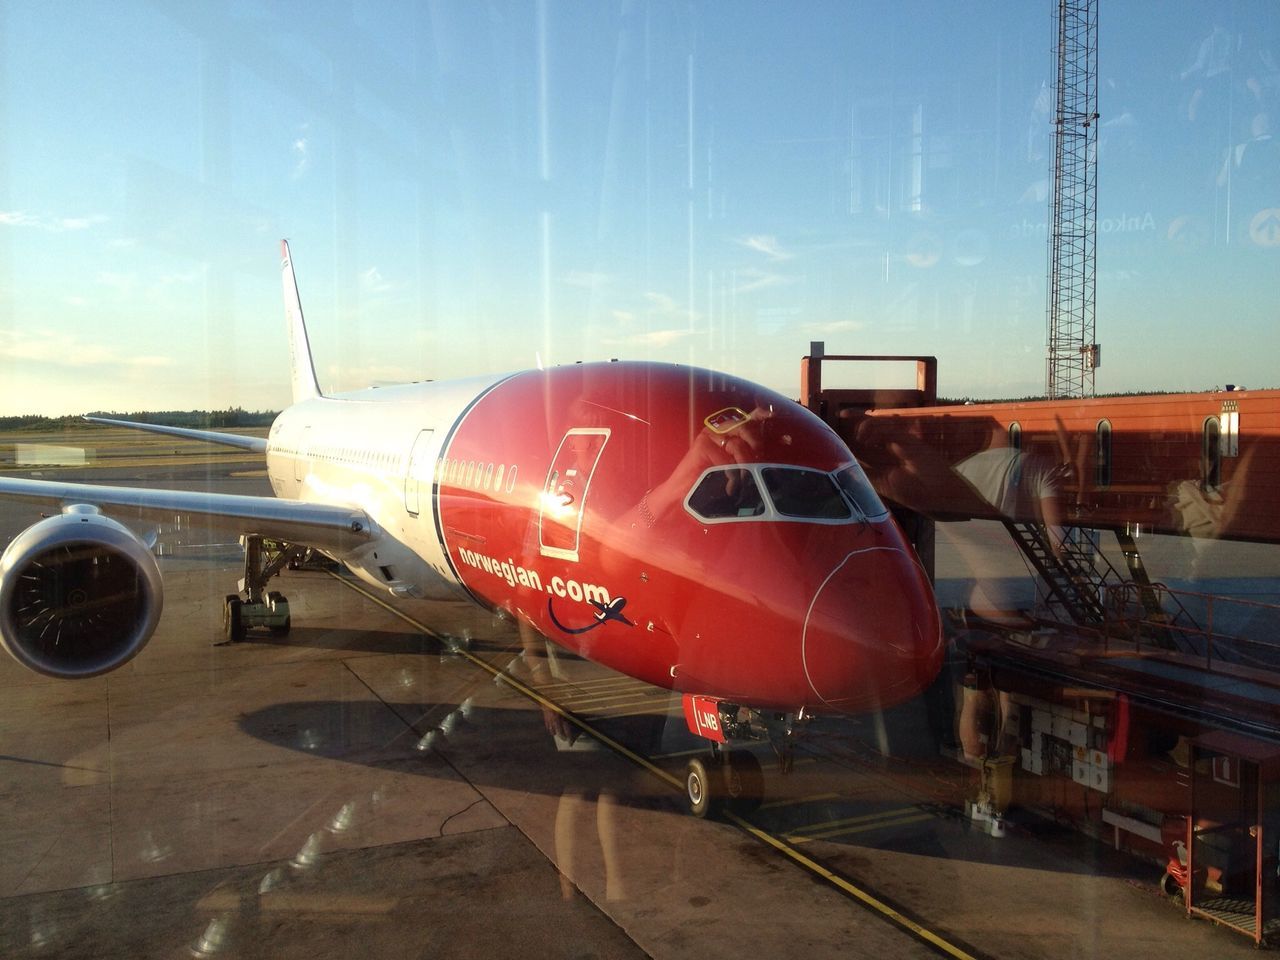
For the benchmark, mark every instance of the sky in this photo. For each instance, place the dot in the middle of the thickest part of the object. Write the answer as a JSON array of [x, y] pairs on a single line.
[[474, 187]]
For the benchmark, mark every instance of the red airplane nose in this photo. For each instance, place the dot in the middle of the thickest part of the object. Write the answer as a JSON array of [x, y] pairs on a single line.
[[871, 638]]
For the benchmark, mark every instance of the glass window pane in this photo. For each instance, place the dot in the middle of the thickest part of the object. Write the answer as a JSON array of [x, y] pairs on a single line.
[[727, 493], [858, 488], [805, 493]]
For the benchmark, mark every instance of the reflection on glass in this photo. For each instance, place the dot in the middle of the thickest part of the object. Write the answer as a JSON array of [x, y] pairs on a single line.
[[626, 180], [853, 482], [807, 494], [726, 493]]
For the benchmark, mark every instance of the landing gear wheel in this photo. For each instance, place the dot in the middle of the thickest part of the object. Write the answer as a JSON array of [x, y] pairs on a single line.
[[232, 623], [743, 781], [275, 598], [698, 788]]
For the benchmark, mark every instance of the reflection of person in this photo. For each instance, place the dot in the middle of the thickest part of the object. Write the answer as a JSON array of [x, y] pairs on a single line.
[[1039, 125], [1208, 71], [581, 783], [1251, 158], [1015, 483], [728, 442], [1234, 81]]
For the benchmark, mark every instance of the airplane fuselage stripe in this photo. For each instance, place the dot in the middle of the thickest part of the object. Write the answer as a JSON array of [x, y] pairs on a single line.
[[435, 486]]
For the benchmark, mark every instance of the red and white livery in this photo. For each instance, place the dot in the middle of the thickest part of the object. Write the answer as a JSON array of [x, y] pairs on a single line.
[[685, 527]]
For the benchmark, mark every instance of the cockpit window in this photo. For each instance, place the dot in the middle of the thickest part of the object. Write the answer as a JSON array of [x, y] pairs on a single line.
[[804, 493], [858, 488], [727, 493]]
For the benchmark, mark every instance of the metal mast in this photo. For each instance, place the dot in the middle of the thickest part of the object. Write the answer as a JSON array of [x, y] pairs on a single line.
[[1073, 350]]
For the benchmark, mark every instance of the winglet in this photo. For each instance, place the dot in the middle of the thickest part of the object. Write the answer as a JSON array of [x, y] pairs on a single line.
[[304, 372]]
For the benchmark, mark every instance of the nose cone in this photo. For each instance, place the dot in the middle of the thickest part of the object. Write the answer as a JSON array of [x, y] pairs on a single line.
[[872, 637]]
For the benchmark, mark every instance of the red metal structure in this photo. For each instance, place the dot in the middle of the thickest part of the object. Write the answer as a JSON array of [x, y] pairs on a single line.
[[1135, 710]]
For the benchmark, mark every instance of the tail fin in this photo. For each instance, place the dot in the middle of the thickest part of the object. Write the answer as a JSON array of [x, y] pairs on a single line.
[[304, 372]]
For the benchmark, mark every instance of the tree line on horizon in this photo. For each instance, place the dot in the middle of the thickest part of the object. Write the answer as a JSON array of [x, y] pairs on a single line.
[[194, 419], [234, 417]]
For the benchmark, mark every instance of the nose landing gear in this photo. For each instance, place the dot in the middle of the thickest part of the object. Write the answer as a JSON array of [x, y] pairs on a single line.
[[728, 779], [731, 777]]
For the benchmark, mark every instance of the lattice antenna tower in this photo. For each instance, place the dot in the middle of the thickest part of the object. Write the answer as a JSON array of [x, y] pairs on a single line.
[[1073, 221]]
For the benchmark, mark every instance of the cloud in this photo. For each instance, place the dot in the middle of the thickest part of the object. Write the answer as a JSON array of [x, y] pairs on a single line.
[[301, 151], [661, 305], [661, 302], [64, 350], [662, 320], [835, 326], [672, 320], [19, 218], [766, 244], [371, 375], [749, 280], [76, 223], [586, 278], [182, 279], [16, 218], [651, 338], [122, 283], [372, 281]]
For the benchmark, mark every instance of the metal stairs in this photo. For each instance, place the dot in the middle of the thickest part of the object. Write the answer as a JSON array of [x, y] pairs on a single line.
[[1084, 588]]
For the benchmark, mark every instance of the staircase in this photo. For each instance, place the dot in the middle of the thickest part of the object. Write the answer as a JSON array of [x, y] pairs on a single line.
[[1078, 580]]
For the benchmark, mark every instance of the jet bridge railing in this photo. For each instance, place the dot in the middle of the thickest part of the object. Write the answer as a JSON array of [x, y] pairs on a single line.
[[1220, 629]]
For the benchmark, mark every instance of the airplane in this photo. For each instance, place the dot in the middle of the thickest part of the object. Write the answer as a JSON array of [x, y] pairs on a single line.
[[762, 577]]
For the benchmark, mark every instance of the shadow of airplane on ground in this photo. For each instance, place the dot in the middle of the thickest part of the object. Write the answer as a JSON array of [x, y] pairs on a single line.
[[510, 750]]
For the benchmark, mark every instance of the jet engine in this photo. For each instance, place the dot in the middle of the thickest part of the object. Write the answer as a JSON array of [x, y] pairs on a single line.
[[80, 594]]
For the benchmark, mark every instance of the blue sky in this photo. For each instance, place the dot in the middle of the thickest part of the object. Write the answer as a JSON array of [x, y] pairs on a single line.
[[471, 187]]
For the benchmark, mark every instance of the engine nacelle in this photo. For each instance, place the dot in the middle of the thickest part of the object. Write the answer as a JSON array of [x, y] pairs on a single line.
[[80, 594]]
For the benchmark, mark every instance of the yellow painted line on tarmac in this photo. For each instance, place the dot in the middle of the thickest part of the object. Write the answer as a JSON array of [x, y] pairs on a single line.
[[797, 801], [653, 710], [862, 818], [622, 698], [598, 683], [521, 688], [650, 701], [797, 857], [852, 889], [850, 831]]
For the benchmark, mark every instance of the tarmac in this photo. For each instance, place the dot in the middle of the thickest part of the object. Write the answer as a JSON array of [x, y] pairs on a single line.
[[385, 781]]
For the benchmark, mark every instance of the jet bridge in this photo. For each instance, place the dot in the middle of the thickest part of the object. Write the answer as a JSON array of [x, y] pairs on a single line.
[[1112, 696]]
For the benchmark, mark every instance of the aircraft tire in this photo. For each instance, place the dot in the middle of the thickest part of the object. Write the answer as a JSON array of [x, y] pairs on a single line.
[[232, 622], [279, 629], [744, 781], [698, 788]]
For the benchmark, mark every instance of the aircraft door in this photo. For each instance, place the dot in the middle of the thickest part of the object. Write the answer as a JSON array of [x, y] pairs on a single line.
[[418, 471], [303, 448], [564, 495]]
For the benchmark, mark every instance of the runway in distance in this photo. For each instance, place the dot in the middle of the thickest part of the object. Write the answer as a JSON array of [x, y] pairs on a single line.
[[685, 527]]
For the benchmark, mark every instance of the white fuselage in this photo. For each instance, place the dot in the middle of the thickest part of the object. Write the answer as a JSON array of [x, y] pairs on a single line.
[[376, 450]]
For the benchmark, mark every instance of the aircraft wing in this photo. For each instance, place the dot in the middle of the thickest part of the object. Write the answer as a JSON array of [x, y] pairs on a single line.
[[331, 528], [256, 444]]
